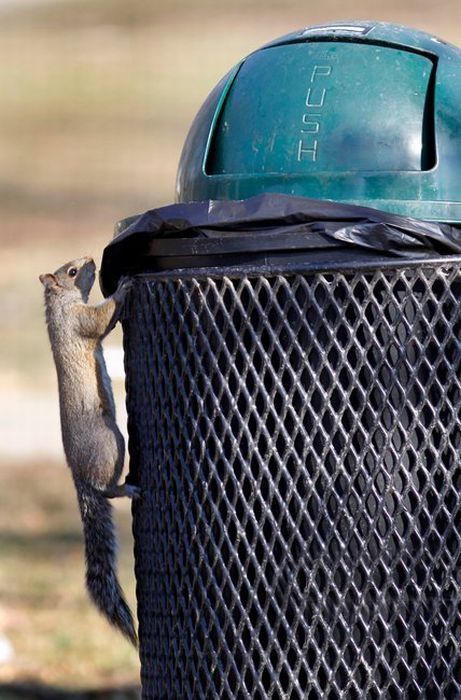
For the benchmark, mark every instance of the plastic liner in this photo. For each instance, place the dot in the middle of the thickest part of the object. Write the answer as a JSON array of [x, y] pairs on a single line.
[[238, 231]]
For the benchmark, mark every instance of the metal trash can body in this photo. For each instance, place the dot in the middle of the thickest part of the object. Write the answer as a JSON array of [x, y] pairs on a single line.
[[296, 434]]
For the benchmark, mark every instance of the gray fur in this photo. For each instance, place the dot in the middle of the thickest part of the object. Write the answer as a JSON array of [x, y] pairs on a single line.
[[93, 444]]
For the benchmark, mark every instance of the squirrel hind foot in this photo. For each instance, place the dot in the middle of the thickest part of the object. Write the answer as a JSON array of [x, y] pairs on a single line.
[[122, 490]]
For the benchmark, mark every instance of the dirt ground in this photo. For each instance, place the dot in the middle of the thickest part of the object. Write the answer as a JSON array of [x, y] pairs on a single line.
[[96, 100]]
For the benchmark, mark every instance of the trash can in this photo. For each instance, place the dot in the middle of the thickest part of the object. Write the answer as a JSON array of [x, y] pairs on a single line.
[[293, 367], [294, 401]]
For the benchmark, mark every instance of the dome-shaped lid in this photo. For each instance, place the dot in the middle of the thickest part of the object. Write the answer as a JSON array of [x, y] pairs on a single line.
[[365, 113]]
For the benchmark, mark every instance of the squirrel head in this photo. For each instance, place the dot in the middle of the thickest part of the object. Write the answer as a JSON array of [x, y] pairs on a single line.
[[75, 277]]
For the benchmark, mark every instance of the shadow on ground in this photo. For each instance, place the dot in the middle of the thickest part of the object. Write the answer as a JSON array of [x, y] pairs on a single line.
[[26, 691]]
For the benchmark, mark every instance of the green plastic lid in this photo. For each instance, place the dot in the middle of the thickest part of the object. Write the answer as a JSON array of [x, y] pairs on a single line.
[[363, 113]]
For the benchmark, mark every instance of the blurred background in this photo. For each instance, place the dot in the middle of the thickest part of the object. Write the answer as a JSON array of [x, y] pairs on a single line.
[[96, 97]]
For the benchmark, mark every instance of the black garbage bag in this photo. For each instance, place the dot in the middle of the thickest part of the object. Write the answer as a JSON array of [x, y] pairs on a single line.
[[242, 231]]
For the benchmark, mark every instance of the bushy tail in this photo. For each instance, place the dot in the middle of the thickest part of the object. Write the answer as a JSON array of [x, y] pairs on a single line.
[[101, 560]]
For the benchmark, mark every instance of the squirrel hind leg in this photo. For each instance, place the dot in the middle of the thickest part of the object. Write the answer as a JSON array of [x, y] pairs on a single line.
[[122, 490]]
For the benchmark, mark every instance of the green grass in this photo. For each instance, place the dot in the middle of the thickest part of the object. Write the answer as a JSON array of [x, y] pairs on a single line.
[[59, 638]]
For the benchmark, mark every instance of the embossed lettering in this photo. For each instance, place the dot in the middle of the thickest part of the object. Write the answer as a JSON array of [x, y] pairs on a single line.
[[316, 95], [310, 126], [317, 99], [320, 70], [305, 151]]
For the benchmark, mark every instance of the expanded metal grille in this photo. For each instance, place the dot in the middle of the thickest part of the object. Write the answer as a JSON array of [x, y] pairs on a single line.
[[297, 439]]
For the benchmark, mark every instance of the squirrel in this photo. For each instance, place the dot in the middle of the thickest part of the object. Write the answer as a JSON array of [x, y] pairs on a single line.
[[93, 445]]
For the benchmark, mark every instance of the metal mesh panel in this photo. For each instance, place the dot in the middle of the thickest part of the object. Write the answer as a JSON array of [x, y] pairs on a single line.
[[297, 441]]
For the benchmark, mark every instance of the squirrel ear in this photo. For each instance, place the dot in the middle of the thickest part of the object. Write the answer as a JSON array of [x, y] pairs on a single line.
[[48, 280]]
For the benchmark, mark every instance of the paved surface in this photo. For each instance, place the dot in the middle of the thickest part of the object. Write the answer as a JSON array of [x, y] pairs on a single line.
[[29, 420], [29, 425]]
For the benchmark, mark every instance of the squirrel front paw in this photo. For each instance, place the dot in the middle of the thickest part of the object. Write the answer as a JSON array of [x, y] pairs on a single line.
[[120, 295], [124, 286]]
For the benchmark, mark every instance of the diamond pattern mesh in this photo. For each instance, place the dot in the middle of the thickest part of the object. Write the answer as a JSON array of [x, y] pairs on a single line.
[[297, 441]]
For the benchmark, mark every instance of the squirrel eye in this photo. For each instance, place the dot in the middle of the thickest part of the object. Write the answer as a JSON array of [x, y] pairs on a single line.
[[72, 271]]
